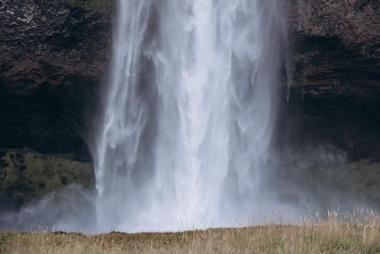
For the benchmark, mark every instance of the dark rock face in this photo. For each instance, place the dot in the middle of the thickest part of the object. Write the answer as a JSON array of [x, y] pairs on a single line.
[[337, 47], [335, 94], [53, 56]]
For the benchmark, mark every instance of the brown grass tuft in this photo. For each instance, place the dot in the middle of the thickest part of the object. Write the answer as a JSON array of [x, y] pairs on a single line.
[[333, 235]]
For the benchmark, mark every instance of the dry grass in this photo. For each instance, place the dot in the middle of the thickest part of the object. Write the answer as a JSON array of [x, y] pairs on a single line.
[[329, 236]]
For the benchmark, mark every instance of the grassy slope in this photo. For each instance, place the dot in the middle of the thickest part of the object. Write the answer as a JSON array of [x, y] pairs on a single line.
[[26, 175], [327, 237]]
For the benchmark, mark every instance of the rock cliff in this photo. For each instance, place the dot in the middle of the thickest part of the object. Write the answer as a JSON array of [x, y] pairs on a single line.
[[335, 90], [54, 56]]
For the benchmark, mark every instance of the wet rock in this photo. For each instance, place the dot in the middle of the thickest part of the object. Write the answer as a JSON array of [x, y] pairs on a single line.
[[53, 58], [54, 55], [335, 90]]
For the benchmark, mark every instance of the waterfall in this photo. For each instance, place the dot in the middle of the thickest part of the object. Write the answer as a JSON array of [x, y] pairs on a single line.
[[189, 114]]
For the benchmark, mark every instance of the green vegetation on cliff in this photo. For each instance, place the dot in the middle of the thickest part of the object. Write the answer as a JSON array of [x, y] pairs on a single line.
[[26, 175]]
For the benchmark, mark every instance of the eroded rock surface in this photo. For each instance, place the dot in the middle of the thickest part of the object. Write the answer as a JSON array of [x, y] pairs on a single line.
[[335, 93], [337, 47], [53, 55]]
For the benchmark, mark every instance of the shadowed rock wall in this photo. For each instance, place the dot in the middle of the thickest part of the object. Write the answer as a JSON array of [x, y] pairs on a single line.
[[54, 55], [335, 93]]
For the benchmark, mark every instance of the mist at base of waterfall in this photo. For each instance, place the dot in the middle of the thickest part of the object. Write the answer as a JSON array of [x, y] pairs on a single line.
[[73, 209], [302, 186]]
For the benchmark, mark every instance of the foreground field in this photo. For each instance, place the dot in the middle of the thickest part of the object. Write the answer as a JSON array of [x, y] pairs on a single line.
[[325, 237]]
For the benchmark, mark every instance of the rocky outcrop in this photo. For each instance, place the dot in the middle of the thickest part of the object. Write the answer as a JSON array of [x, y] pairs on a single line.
[[53, 55], [335, 90], [337, 47]]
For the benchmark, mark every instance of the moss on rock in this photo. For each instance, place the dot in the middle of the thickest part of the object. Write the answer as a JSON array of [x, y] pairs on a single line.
[[26, 175]]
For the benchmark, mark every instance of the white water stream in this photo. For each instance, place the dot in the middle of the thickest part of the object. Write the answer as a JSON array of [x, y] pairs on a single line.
[[189, 114]]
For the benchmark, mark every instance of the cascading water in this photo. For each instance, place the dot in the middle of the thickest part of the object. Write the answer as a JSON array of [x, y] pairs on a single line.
[[189, 114]]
